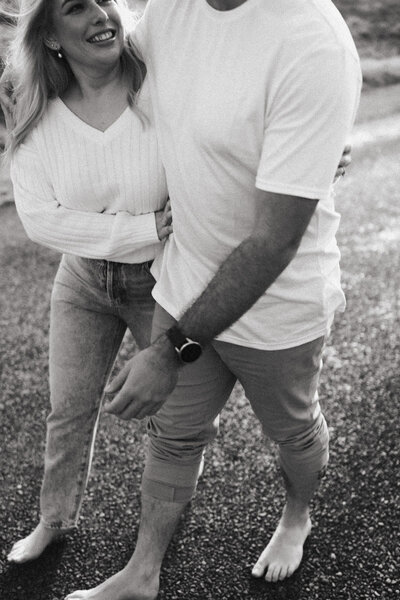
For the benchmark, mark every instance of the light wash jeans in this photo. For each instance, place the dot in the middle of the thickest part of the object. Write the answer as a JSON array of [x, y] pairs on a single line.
[[92, 304]]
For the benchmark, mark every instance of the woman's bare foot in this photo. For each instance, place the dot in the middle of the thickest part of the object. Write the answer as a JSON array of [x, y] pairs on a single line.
[[282, 556], [33, 545], [125, 585]]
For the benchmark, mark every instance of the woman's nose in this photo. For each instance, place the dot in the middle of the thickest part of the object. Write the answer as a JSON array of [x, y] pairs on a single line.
[[98, 15]]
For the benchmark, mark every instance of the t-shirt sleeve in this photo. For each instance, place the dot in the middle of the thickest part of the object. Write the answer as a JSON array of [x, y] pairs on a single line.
[[83, 233], [309, 117], [139, 34]]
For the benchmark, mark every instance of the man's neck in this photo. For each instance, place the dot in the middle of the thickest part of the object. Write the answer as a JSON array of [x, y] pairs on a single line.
[[225, 4]]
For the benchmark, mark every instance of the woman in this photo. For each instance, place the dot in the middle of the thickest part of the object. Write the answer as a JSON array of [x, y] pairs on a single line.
[[89, 183]]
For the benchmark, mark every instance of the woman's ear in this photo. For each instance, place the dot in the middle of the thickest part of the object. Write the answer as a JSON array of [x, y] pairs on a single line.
[[52, 43]]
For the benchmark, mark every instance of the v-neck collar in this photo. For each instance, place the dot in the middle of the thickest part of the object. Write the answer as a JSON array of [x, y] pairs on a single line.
[[85, 129]]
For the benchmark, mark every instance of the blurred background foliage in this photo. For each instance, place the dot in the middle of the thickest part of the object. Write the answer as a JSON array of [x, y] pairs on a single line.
[[375, 25]]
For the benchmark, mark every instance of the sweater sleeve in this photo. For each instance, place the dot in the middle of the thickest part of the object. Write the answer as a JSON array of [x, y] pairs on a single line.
[[83, 233]]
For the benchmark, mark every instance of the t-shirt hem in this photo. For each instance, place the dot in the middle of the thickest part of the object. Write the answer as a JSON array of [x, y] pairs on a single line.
[[322, 330], [292, 190], [292, 343], [161, 301]]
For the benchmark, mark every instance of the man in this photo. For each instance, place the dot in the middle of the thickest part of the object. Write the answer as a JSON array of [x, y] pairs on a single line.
[[247, 94]]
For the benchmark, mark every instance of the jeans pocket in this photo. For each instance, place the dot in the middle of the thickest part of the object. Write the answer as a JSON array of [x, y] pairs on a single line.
[[147, 266]]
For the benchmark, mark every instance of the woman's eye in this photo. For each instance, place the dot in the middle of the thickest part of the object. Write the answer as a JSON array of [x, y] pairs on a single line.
[[80, 6], [75, 8]]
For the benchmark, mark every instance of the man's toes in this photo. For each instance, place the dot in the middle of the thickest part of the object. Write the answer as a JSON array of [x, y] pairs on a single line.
[[284, 573], [17, 545], [277, 573], [270, 574], [291, 570], [18, 559], [15, 555], [258, 570], [261, 564]]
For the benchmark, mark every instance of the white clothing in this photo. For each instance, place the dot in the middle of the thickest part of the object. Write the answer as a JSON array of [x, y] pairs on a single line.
[[261, 96], [90, 193]]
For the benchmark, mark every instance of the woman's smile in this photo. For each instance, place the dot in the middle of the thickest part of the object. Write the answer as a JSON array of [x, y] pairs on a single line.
[[90, 32], [104, 36]]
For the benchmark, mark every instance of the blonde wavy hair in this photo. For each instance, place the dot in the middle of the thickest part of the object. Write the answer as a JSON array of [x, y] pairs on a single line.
[[37, 74]]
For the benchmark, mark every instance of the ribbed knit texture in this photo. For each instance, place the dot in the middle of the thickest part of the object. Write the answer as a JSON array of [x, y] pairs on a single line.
[[90, 193]]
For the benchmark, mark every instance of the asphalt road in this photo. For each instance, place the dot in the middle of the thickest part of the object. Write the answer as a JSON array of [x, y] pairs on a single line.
[[352, 553]]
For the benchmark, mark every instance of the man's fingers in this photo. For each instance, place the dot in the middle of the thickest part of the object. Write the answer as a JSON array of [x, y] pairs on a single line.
[[139, 411], [116, 384], [118, 404], [124, 407], [167, 218], [347, 149], [345, 161]]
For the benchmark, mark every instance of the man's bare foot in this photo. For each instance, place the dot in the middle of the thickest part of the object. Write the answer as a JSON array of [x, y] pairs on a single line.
[[125, 585], [283, 554], [33, 545]]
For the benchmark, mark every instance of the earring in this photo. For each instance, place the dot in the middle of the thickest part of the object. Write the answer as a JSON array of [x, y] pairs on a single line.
[[57, 48]]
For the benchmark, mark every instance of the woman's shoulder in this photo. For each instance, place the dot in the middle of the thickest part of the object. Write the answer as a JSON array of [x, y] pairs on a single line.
[[39, 137], [144, 100], [48, 118], [52, 113]]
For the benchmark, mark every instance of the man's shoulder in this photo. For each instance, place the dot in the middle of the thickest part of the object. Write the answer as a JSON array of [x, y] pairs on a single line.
[[317, 22], [160, 15], [158, 7]]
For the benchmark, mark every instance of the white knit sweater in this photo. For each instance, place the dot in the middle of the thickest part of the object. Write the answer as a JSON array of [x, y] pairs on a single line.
[[90, 193]]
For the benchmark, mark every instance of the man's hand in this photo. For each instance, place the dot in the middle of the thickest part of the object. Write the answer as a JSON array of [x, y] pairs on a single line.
[[164, 221], [345, 162], [144, 383]]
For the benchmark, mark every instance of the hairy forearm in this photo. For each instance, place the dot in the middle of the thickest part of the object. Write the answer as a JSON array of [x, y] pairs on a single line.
[[240, 281]]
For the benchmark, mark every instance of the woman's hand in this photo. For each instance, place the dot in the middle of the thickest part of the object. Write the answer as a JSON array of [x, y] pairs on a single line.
[[345, 161], [7, 102], [164, 221]]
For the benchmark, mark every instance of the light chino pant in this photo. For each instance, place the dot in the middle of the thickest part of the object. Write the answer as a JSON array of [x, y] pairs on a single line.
[[281, 386], [92, 304]]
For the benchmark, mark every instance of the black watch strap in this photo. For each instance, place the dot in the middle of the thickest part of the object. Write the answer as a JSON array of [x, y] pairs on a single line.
[[176, 336], [188, 350]]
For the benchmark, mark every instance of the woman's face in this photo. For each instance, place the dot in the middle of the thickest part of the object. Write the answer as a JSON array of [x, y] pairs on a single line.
[[90, 32]]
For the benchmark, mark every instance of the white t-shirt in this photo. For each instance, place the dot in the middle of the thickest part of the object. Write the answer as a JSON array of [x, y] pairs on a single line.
[[261, 96], [82, 191]]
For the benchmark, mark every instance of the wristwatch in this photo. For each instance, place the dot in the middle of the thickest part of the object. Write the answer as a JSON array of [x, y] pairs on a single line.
[[188, 350]]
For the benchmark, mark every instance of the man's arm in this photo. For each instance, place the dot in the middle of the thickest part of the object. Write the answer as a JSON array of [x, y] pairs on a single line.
[[249, 270], [252, 267]]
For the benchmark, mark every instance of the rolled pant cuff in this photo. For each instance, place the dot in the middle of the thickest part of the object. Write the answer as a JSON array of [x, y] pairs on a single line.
[[165, 492], [171, 481]]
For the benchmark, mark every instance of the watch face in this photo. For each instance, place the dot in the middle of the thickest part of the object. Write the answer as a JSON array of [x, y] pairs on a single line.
[[190, 352]]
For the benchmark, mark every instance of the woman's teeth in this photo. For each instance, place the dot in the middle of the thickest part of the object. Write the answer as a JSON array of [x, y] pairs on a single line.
[[101, 37]]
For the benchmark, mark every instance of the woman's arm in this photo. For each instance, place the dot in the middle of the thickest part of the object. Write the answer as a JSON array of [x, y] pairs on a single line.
[[86, 234]]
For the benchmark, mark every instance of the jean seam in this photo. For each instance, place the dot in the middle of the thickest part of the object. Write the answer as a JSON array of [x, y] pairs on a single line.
[[81, 480]]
